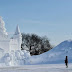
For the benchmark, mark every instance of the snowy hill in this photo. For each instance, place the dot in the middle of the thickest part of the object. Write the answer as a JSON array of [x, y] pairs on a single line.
[[56, 55]]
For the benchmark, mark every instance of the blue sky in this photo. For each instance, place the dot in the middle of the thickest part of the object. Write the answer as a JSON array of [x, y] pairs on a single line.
[[52, 18]]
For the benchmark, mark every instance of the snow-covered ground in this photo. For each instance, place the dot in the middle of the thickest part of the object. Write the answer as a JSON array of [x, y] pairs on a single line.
[[54, 56], [38, 68], [51, 61]]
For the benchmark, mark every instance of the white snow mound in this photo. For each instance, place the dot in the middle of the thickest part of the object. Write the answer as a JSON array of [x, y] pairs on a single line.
[[15, 58], [55, 55]]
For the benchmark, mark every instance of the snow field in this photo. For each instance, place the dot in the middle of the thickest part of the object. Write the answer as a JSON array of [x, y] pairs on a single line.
[[38, 68], [54, 56]]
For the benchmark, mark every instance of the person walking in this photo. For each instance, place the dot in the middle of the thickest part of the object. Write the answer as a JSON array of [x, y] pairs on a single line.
[[66, 61]]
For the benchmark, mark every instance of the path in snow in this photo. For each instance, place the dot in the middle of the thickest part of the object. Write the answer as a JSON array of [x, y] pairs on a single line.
[[38, 68]]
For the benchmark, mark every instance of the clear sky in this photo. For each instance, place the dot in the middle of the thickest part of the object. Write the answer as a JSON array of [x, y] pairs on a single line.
[[52, 18]]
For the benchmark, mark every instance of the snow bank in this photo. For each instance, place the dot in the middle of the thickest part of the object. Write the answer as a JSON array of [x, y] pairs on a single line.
[[15, 58], [56, 55]]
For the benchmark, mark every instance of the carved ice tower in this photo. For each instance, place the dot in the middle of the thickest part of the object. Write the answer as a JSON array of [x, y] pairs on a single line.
[[18, 36], [3, 32], [4, 40], [9, 44]]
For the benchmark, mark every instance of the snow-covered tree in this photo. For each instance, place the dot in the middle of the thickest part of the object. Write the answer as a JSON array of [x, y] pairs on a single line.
[[35, 44]]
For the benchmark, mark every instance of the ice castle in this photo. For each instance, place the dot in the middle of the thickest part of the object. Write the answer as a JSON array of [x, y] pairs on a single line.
[[9, 44]]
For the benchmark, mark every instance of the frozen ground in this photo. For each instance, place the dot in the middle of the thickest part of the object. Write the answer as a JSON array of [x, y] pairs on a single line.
[[38, 68]]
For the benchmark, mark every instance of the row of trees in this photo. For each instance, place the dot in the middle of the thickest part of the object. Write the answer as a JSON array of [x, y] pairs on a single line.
[[35, 44]]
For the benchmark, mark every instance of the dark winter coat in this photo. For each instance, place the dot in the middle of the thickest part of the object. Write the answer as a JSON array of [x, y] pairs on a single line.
[[66, 60]]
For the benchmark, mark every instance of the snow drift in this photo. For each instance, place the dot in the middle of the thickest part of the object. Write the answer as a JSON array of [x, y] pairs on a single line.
[[55, 55], [15, 58]]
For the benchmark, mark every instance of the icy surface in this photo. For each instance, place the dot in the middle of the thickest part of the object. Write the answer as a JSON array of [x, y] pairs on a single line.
[[38, 68]]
